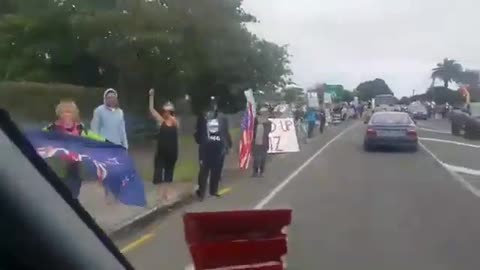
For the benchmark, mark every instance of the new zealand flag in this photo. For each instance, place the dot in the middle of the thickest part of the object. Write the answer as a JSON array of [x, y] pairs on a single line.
[[107, 162]]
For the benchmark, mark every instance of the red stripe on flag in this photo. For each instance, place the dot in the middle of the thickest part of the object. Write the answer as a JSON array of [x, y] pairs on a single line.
[[246, 140]]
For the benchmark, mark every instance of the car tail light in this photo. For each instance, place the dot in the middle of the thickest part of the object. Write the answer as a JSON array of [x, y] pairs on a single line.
[[412, 133], [371, 132]]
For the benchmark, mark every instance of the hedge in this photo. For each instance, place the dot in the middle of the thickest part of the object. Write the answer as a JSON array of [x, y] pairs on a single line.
[[37, 101]]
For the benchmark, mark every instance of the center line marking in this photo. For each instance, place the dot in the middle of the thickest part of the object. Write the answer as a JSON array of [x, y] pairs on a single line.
[[282, 185], [434, 130], [287, 180], [455, 175], [450, 142]]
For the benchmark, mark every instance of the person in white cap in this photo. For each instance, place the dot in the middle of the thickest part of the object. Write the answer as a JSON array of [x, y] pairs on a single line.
[[108, 120]]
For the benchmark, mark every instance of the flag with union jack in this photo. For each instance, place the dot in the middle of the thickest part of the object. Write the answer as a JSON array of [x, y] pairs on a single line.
[[104, 161], [247, 127]]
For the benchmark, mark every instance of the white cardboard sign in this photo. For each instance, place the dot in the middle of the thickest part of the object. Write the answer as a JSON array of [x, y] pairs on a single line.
[[283, 137]]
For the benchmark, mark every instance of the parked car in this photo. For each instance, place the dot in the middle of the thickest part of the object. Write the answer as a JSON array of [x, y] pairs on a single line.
[[466, 121]]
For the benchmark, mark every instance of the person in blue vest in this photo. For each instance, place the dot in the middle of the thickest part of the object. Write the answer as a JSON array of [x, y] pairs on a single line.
[[311, 118], [213, 138]]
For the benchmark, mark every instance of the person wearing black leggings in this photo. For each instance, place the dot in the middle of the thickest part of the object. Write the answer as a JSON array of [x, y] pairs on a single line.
[[167, 148]]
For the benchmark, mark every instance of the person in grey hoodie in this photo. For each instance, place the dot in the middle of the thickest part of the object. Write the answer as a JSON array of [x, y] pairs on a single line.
[[108, 120]]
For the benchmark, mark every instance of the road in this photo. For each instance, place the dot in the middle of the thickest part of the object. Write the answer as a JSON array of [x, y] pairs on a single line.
[[354, 210]]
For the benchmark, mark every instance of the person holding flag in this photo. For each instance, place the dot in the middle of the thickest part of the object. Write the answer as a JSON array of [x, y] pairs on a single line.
[[261, 142], [247, 126], [67, 166]]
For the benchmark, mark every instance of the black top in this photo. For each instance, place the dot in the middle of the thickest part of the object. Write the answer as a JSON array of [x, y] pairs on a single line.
[[201, 132], [167, 139]]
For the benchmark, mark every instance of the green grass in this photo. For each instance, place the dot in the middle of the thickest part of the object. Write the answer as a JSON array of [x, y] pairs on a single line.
[[187, 166]]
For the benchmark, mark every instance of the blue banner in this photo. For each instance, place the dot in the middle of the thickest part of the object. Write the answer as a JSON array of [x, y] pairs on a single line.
[[109, 163]]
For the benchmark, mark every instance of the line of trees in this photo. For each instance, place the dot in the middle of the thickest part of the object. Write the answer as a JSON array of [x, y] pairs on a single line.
[[449, 71], [180, 47]]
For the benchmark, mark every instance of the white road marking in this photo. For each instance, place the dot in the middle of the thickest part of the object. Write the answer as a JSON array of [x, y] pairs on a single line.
[[463, 170], [450, 142], [434, 130], [455, 175], [287, 180]]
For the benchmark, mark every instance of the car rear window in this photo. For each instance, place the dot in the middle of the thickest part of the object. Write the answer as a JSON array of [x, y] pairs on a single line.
[[391, 118]]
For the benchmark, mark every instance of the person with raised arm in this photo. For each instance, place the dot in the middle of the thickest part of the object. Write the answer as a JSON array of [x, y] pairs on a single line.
[[167, 147]]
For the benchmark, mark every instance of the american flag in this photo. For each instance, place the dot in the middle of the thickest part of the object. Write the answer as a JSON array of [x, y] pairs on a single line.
[[247, 136]]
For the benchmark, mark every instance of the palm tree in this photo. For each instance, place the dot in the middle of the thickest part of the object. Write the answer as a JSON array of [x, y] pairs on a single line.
[[447, 71]]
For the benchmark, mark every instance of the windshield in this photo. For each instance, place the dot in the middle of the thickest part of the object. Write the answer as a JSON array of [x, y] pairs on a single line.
[[391, 119], [149, 109]]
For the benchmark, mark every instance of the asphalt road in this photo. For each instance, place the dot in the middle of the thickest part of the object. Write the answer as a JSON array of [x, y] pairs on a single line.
[[353, 210]]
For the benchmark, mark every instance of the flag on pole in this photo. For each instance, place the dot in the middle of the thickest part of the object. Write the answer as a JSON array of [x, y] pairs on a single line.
[[247, 131]]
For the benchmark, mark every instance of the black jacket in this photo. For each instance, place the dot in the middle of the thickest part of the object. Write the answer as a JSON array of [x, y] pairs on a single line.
[[201, 134]]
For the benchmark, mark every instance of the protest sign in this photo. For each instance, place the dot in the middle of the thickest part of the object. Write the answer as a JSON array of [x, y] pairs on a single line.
[[312, 100], [283, 137]]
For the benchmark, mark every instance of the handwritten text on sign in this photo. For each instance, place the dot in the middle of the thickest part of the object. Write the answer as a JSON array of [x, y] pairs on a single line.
[[283, 137]]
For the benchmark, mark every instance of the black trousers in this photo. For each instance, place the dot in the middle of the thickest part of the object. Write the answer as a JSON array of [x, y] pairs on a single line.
[[322, 125], [164, 167], [311, 126], [211, 164], [259, 158]]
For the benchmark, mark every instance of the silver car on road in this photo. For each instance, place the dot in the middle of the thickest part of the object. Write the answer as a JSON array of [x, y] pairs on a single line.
[[391, 129]]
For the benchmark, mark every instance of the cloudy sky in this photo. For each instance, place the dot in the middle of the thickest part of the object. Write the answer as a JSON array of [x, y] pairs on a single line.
[[350, 41]]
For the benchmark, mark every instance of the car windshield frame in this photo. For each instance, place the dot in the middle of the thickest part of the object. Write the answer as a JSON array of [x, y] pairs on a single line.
[[383, 116]]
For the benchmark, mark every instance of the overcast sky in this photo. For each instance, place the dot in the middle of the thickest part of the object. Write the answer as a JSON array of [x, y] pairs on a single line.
[[350, 41]]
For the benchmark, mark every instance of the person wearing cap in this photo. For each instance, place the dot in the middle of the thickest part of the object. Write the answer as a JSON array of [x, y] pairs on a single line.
[[261, 143], [167, 147], [213, 139], [108, 119]]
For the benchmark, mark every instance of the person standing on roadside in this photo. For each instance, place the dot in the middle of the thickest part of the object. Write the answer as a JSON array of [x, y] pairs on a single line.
[[108, 119], [311, 118], [68, 122], [323, 119], [261, 142], [167, 147], [211, 136], [224, 124]]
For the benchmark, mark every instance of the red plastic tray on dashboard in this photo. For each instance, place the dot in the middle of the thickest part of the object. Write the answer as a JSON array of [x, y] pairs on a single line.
[[237, 238]]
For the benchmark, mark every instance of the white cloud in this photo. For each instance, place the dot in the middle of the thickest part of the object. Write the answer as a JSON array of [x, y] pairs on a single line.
[[349, 41]]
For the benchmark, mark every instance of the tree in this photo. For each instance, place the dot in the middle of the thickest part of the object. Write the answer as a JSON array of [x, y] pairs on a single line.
[[404, 100], [369, 89], [447, 71], [442, 95], [199, 48], [293, 94]]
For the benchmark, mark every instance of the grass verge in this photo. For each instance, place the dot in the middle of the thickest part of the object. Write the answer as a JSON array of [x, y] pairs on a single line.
[[186, 169]]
